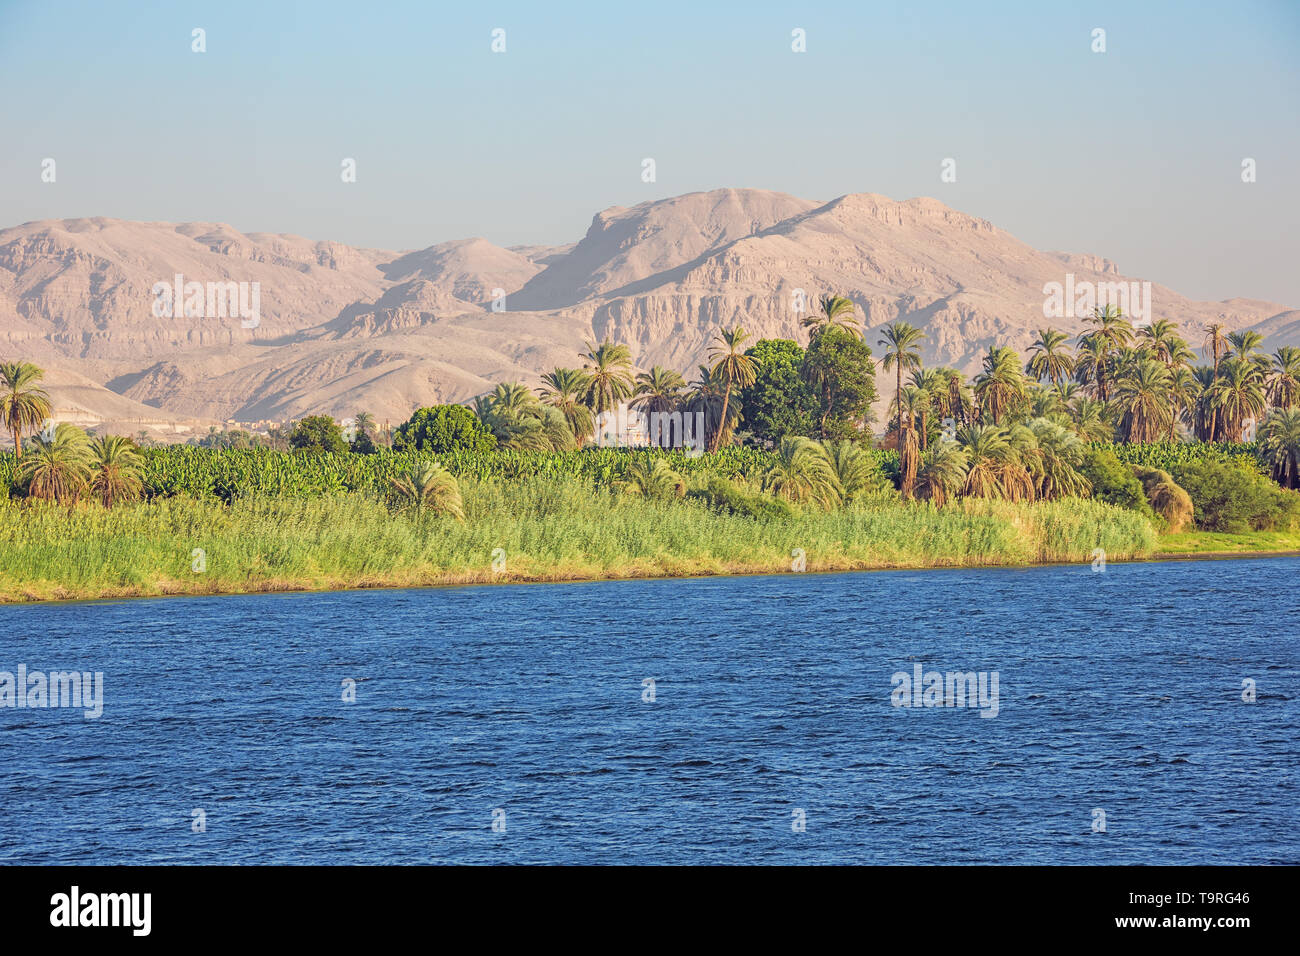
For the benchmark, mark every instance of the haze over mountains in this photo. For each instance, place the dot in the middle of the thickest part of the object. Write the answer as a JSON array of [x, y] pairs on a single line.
[[345, 329]]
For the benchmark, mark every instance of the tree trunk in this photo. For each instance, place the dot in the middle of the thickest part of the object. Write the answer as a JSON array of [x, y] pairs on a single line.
[[726, 399]]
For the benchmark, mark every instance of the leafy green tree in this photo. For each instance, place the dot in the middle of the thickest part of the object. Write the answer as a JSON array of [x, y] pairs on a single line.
[[443, 430], [317, 433], [837, 367], [779, 402]]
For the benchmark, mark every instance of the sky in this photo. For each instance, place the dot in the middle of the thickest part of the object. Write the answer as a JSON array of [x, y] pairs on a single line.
[[1134, 153]]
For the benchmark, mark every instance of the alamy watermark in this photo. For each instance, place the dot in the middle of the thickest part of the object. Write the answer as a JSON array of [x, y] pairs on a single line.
[[1079, 299], [36, 689], [951, 689], [212, 300], [629, 427]]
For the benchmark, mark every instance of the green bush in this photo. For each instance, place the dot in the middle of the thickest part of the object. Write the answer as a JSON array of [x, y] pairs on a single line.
[[726, 497], [1228, 496], [1112, 481], [442, 429]]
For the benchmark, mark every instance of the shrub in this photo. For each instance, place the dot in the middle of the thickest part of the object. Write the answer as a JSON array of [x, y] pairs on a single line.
[[1231, 497], [727, 497], [1112, 481]]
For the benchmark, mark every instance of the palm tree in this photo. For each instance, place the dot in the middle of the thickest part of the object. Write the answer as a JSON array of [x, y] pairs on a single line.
[[1001, 383], [854, 470], [1091, 419], [1237, 396], [836, 312], [562, 389], [1059, 454], [1166, 345], [1050, 360], [428, 485], [659, 391], [732, 365], [801, 473], [518, 420], [1245, 343], [901, 342], [1202, 412], [365, 426], [932, 386], [115, 465], [706, 398], [1215, 346], [655, 479], [1284, 383], [942, 472], [1279, 446], [1143, 398], [609, 375], [987, 449], [1112, 333], [58, 469], [23, 406], [1183, 390]]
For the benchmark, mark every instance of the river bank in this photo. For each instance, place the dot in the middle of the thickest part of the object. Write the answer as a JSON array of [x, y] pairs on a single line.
[[514, 534]]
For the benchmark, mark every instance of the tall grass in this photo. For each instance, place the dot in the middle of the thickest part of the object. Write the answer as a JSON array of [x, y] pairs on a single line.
[[550, 528]]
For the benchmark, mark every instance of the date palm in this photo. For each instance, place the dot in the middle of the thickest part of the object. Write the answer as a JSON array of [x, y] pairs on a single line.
[[659, 391], [1284, 382], [1244, 343], [1143, 400], [987, 450], [1050, 359], [1215, 347], [1111, 334], [656, 479], [942, 472], [115, 465], [732, 366], [428, 486], [802, 473], [23, 405], [1059, 454], [855, 471], [1279, 446], [1237, 396], [836, 312], [1002, 383], [58, 469], [902, 344], [562, 389], [609, 376]]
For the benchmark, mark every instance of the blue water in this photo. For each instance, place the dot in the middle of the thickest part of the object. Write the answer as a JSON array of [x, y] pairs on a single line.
[[1118, 691]]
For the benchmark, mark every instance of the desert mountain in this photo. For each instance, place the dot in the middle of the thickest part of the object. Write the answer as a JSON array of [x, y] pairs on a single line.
[[343, 329]]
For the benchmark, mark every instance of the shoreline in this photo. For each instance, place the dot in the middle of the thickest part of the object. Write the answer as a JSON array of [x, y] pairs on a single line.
[[180, 588]]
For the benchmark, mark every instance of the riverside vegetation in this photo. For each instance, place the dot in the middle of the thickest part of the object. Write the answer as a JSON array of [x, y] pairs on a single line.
[[1121, 445]]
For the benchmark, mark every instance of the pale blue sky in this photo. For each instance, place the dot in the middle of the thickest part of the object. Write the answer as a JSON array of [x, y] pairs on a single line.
[[1133, 154]]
